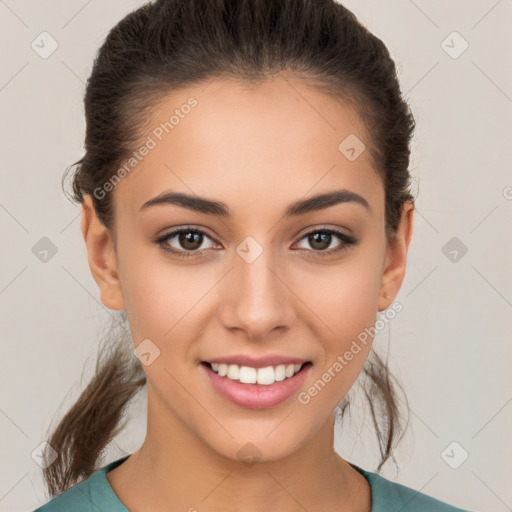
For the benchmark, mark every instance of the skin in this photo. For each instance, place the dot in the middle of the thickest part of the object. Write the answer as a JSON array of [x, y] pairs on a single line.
[[257, 150]]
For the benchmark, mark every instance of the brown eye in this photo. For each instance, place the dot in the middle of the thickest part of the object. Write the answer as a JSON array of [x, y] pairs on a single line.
[[321, 239], [187, 242], [190, 240]]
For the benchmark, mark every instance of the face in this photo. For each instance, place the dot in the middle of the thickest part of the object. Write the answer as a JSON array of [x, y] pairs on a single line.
[[251, 275]]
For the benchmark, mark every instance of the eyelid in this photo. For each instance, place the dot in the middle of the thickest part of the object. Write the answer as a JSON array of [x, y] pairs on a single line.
[[173, 232], [184, 227], [313, 228], [347, 240]]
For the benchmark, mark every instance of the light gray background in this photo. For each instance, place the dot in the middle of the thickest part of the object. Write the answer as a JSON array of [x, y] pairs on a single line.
[[450, 346]]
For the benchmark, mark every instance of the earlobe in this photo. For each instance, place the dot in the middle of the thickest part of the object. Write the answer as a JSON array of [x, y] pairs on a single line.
[[396, 258], [102, 257]]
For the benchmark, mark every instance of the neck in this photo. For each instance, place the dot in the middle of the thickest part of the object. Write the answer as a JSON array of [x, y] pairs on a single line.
[[175, 470]]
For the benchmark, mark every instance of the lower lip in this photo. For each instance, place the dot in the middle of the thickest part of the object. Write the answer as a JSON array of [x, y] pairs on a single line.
[[256, 396]]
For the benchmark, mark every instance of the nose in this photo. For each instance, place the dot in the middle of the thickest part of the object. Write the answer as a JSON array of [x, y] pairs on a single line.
[[256, 298]]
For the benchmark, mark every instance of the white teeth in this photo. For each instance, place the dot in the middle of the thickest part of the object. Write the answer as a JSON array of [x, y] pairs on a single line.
[[290, 370], [233, 371], [247, 375], [279, 373], [263, 376]]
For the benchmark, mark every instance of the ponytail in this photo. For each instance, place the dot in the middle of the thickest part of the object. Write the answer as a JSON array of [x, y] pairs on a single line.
[[94, 420]]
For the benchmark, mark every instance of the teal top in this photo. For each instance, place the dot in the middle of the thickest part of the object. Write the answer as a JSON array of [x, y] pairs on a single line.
[[96, 495]]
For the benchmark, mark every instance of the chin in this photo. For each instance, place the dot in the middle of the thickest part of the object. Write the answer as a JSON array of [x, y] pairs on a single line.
[[259, 447]]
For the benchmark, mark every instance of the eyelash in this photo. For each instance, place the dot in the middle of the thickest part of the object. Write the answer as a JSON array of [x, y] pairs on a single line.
[[347, 240]]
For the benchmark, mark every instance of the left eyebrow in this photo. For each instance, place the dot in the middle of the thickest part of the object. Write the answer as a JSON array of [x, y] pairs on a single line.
[[326, 200], [210, 207]]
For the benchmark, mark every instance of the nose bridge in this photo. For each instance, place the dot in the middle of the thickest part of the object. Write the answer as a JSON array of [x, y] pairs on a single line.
[[259, 300]]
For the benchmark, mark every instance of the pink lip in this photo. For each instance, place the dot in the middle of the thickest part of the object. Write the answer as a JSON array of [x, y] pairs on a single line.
[[256, 396], [257, 362]]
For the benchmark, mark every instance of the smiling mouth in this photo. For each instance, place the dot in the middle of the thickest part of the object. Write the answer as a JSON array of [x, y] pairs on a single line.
[[261, 376]]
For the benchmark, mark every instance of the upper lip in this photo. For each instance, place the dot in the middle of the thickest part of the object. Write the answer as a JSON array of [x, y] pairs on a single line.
[[257, 362]]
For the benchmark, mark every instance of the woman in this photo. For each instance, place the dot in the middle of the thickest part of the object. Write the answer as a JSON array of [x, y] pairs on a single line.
[[245, 200]]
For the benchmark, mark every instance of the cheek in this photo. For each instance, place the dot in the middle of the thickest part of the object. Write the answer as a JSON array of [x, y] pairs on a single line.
[[344, 297], [146, 290], [344, 302], [344, 315], [158, 298]]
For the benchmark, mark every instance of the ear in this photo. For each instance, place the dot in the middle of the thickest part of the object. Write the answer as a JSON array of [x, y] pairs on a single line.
[[396, 258], [102, 256]]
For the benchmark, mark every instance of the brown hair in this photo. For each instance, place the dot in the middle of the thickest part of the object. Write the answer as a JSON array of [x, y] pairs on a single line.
[[168, 45]]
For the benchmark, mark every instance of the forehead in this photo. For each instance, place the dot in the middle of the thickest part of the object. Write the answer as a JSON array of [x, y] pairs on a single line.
[[280, 139]]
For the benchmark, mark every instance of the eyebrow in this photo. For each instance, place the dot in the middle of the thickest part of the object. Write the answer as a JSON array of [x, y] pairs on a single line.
[[210, 207]]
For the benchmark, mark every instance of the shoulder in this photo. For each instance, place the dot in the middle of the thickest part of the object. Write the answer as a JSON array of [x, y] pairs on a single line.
[[75, 499], [91, 495], [388, 496]]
